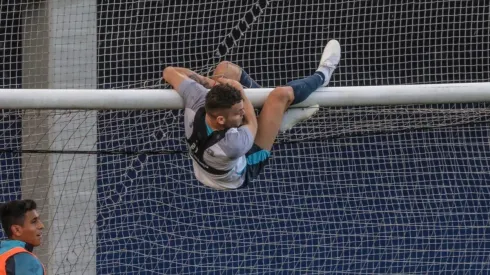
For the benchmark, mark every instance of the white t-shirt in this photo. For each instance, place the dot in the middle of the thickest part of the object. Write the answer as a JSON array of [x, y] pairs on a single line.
[[227, 154]]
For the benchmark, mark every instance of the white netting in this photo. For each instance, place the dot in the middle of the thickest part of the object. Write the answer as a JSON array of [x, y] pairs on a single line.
[[361, 190]]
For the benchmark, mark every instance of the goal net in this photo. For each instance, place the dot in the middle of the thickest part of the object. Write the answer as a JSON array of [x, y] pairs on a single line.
[[362, 189]]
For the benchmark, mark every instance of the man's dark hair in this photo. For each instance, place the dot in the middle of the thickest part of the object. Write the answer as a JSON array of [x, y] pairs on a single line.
[[13, 213], [222, 97]]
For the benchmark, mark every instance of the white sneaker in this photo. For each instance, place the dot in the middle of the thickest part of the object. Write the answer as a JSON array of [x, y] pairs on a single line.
[[294, 116], [330, 59]]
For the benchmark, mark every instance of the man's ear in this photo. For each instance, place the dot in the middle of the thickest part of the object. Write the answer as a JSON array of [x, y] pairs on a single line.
[[220, 120], [16, 230]]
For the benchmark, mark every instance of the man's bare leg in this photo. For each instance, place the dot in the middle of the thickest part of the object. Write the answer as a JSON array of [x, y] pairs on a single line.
[[271, 116], [232, 71], [228, 70], [270, 120]]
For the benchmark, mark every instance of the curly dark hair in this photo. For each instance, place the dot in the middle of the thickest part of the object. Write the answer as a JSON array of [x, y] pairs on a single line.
[[14, 213], [222, 97]]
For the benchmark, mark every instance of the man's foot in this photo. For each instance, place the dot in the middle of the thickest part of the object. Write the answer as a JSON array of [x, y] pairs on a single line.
[[330, 59], [294, 116]]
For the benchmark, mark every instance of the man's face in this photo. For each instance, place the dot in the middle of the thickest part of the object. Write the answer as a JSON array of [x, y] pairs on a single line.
[[31, 231], [235, 115]]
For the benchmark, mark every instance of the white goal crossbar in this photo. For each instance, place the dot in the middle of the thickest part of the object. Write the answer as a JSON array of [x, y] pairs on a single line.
[[168, 99]]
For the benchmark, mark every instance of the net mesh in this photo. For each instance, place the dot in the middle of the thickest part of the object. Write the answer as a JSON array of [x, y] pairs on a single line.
[[358, 190]]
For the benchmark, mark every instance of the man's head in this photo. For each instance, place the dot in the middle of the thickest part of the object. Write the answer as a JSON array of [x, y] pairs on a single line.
[[20, 221], [224, 106]]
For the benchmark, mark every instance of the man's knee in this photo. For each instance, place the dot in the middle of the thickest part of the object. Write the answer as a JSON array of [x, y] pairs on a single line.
[[228, 70], [224, 65], [284, 95], [167, 71]]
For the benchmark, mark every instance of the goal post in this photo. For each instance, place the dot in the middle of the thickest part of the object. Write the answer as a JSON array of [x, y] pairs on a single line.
[[167, 99]]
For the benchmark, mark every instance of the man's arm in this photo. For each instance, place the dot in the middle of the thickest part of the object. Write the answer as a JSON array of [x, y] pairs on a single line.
[[190, 86], [250, 120], [206, 82], [175, 76]]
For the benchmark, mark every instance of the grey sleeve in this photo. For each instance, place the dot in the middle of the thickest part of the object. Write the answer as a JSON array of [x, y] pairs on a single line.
[[237, 142], [193, 93]]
